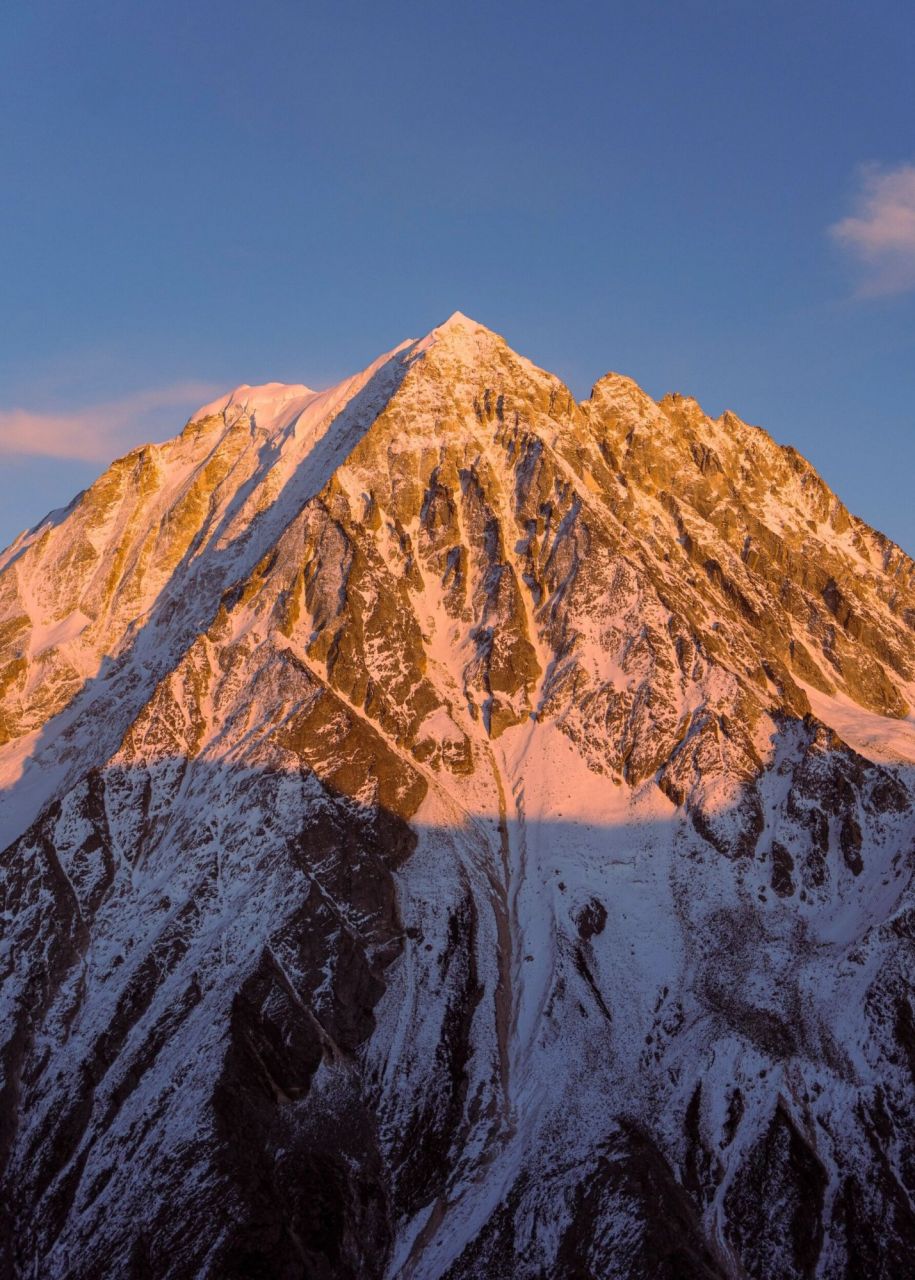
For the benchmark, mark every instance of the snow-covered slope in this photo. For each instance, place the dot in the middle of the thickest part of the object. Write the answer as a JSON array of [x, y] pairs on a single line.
[[454, 831]]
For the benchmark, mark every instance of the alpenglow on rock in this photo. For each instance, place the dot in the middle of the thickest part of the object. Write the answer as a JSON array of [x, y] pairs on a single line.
[[449, 830]]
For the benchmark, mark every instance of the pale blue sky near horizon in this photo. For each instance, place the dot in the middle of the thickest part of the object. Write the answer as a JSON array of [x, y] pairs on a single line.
[[715, 199]]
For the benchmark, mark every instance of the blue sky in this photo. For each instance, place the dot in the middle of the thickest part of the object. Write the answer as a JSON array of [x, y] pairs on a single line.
[[712, 198]]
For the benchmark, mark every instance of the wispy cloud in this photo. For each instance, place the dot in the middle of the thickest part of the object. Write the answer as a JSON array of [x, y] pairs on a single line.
[[880, 233], [97, 433]]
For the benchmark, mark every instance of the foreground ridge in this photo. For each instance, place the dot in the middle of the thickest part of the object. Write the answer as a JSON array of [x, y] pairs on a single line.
[[451, 830]]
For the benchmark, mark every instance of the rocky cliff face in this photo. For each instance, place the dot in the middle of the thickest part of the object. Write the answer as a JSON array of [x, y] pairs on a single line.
[[454, 831]]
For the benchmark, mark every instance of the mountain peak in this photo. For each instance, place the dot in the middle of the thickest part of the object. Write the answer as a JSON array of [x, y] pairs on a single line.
[[676, 404], [271, 404], [427, 810], [458, 320], [459, 333]]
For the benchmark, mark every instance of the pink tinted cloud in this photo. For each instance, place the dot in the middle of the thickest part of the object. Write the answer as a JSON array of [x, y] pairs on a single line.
[[97, 433], [880, 233]]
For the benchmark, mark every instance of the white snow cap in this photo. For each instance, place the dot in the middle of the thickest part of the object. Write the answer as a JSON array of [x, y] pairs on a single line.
[[274, 403], [457, 320], [270, 402], [458, 331]]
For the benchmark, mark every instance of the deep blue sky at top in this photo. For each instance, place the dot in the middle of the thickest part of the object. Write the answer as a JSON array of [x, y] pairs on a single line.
[[238, 192]]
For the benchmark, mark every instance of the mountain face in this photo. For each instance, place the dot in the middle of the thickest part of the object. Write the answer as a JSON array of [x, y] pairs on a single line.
[[454, 831]]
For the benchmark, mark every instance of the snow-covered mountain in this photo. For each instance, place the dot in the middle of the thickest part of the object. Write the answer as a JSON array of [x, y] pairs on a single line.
[[454, 831]]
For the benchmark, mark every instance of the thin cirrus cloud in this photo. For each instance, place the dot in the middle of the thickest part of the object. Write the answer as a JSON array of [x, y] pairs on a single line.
[[97, 433], [880, 233]]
